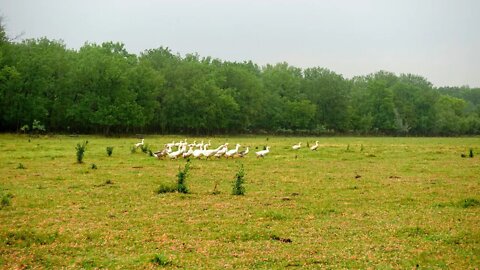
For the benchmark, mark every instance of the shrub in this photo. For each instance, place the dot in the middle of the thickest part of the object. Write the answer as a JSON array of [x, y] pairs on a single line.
[[144, 148], [182, 177], [21, 166], [471, 153], [470, 202], [94, 166], [81, 148], [5, 200], [163, 188], [238, 188], [160, 260], [37, 127], [109, 150]]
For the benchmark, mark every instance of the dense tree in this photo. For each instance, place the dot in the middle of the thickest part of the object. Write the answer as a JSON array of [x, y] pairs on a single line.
[[104, 89]]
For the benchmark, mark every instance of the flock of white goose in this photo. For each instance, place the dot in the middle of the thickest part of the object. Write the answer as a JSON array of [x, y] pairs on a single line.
[[198, 150]]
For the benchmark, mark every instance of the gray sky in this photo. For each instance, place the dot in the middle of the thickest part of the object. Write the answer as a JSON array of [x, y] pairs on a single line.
[[437, 39]]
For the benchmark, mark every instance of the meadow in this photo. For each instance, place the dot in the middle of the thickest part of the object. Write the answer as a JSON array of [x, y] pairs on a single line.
[[356, 203]]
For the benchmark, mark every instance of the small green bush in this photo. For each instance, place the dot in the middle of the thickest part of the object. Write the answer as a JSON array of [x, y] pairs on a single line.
[[182, 178], [5, 200], [163, 188], [81, 148], [160, 260], [238, 188], [145, 148], [470, 202], [109, 150], [471, 153], [21, 166], [94, 166]]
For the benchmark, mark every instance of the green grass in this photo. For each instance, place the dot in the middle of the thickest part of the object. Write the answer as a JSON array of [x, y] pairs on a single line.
[[388, 203]]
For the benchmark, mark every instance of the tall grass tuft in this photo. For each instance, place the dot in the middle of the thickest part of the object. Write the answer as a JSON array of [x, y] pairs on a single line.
[[238, 188], [160, 260], [471, 153], [5, 200], [145, 148], [81, 148], [182, 178], [109, 150]]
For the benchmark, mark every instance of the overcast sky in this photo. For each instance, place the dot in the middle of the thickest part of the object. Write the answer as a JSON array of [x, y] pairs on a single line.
[[437, 39]]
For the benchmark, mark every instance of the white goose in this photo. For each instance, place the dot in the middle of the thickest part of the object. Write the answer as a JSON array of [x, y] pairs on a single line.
[[243, 153], [297, 146], [197, 153], [188, 153], [176, 154], [314, 147], [263, 153], [210, 153], [222, 151], [232, 152], [137, 145]]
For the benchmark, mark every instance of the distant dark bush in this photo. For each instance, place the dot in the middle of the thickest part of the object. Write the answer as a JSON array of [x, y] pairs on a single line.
[[81, 148], [109, 150]]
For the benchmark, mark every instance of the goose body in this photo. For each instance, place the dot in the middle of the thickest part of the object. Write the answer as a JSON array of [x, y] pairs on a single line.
[[263, 153], [137, 145], [243, 153], [197, 153], [314, 147], [188, 153], [176, 154], [222, 151], [232, 152], [297, 146]]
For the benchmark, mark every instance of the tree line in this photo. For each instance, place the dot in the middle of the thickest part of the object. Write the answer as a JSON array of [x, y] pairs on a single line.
[[102, 88]]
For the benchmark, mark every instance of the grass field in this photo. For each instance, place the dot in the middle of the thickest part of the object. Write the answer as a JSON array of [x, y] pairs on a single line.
[[383, 203]]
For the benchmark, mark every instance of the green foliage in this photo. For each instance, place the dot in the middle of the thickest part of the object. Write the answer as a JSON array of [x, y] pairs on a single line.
[[81, 148], [471, 153], [29, 237], [94, 166], [109, 150], [37, 127], [102, 88], [238, 184], [133, 149], [24, 128], [160, 260], [182, 178], [163, 188], [21, 166], [5, 199], [470, 202], [145, 148]]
